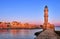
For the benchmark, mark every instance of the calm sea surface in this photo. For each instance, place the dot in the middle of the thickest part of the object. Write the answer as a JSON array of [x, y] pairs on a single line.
[[20, 33]]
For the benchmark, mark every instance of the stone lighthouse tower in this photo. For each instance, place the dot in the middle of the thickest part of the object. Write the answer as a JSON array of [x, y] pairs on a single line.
[[46, 24], [46, 15]]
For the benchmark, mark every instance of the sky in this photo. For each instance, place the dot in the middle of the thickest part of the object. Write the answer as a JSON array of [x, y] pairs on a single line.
[[31, 11]]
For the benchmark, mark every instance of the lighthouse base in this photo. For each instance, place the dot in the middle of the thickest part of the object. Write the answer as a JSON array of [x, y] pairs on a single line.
[[48, 26]]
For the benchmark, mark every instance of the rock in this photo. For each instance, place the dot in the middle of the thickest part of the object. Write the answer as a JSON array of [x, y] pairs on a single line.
[[48, 34], [37, 33]]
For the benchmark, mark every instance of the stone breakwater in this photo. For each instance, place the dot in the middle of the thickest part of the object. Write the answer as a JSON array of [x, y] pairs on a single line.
[[48, 34]]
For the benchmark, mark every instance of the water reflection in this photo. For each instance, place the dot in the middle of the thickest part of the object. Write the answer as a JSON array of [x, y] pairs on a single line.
[[18, 34], [14, 32]]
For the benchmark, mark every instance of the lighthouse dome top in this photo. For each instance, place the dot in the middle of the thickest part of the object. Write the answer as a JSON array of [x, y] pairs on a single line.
[[46, 6]]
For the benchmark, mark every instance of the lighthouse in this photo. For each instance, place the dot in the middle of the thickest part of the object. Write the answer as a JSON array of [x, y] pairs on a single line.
[[48, 28], [46, 24], [46, 15]]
